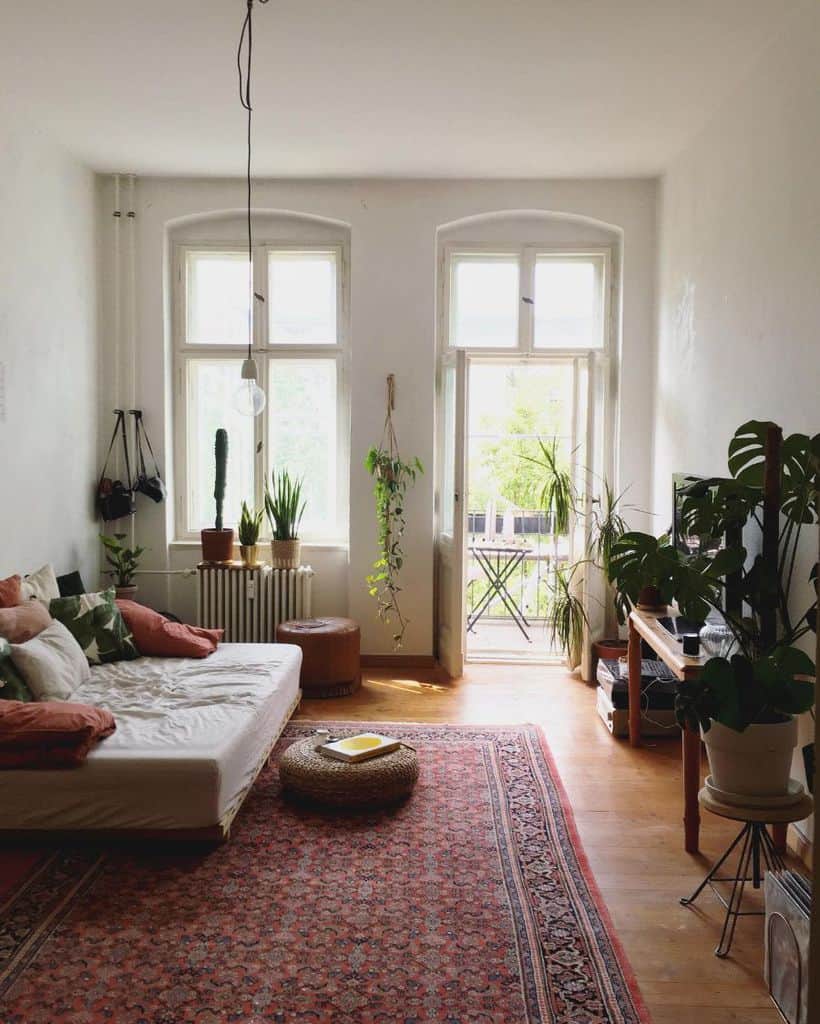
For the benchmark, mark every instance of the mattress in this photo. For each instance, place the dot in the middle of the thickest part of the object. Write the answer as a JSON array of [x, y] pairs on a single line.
[[191, 735]]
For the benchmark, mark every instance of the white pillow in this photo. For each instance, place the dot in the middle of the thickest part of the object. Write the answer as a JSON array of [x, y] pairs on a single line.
[[41, 585], [52, 664]]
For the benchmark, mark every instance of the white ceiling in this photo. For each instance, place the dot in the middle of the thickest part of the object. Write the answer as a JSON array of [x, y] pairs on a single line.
[[347, 88]]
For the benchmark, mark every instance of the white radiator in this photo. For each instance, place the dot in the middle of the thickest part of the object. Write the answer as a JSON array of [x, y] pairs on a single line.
[[250, 603]]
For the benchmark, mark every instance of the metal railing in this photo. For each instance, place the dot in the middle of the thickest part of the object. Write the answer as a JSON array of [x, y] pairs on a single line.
[[532, 583]]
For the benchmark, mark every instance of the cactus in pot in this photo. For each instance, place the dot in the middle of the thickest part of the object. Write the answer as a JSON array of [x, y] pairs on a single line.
[[217, 544]]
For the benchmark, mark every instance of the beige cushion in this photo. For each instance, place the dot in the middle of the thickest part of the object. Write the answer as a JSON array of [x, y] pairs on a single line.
[[41, 585], [52, 664]]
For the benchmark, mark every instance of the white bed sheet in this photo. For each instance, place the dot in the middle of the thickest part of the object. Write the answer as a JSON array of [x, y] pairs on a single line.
[[190, 736]]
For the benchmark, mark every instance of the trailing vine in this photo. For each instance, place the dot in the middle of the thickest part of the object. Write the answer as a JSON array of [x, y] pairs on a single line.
[[392, 478]]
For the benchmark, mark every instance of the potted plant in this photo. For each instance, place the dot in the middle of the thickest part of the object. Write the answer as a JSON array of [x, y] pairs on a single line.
[[606, 525], [569, 619], [392, 477], [217, 544], [745, 705], [250, 523], [746, 712], [285, 507], [644, 570], [124, 562]]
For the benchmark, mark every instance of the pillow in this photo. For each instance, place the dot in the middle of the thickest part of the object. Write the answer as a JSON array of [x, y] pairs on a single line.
[[10, 592], [24, 622], [155, 636], [12, 684], [50, 734], [96, 624], [41, 585], [52, 664], [71, 585]]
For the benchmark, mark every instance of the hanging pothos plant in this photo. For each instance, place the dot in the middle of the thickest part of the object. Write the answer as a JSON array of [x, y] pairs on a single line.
[[392, 478]]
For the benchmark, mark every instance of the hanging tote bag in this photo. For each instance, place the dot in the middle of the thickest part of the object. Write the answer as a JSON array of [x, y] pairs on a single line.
[[115, 498], [152, 487]]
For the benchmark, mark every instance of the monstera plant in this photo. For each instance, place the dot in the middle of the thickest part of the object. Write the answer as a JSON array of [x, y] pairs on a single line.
[[757, 692]]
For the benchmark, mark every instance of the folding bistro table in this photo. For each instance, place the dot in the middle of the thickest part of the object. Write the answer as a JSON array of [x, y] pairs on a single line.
[[498, 563]]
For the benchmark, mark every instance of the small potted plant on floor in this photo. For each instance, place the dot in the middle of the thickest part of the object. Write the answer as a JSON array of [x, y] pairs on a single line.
[[250, 523], [285, 507], [124, 562], [217, 543]]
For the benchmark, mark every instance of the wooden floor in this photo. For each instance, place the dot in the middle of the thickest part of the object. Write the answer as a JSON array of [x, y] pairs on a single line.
[[628, 806]]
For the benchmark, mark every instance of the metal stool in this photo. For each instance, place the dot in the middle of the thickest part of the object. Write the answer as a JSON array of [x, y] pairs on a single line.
[[756, 852]]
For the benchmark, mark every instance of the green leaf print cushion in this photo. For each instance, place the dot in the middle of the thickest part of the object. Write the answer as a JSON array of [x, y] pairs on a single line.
[[12, 684], [95, 622]]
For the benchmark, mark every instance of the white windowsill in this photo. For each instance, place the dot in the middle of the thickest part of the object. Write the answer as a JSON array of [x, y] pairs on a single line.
[[309, 545]]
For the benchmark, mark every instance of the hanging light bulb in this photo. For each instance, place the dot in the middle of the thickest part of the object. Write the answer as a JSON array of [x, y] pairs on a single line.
[[249, 399]]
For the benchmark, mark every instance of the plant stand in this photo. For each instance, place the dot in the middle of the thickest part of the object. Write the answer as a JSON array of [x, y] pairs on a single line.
[[757, 851]]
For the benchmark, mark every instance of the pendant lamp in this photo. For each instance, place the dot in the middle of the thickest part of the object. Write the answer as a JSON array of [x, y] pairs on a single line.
[[249, 398]]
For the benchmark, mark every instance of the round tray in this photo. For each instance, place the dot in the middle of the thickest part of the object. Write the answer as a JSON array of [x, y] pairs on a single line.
[[794, 795]]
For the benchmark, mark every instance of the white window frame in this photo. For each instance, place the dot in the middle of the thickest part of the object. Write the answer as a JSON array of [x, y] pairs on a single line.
[[602, 363], [264, 353], [527, 256]]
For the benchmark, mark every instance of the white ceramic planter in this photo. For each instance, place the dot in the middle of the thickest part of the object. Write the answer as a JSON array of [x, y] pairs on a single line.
[[286, 554], [755, 762]]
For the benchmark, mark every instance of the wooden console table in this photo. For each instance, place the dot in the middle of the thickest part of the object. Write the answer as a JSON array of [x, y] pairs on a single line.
[[645, 625]]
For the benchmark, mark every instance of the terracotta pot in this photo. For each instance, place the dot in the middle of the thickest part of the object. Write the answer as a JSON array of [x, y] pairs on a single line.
[[249, 555], [128, 593], [286, 554], [649, 600], [217, 545], [756, 762], [609, 650]]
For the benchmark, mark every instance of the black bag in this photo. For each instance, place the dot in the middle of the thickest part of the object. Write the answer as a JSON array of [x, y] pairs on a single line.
[[152, 487], [115, 499]]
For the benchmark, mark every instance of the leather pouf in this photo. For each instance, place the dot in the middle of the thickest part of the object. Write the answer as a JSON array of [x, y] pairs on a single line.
[[331, 665]]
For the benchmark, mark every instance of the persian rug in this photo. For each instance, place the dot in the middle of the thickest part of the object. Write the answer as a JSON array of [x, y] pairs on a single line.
[[471, 903]]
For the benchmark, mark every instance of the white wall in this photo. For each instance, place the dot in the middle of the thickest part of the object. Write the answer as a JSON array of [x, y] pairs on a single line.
[[49, 351], [393, 229], [739, 244]]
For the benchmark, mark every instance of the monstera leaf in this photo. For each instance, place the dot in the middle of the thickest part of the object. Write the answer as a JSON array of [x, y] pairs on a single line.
[[799, 485], [739, 692], [747, 458], [712, 506], [800, 467]]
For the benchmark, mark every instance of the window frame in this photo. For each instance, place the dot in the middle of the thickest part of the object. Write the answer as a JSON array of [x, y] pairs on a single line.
[[264, 353], [527, 256]]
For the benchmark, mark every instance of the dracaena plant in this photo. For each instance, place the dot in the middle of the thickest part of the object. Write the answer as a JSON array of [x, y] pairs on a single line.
[[606, 524]]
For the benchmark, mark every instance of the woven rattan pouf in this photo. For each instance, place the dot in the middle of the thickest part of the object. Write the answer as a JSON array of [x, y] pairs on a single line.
[[331, 665], [308, 775]]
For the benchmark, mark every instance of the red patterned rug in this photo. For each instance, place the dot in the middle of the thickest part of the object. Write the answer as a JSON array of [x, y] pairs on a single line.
[[472, 902]]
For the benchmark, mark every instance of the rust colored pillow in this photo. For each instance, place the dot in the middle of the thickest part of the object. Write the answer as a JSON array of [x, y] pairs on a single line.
[[22, 623], [10, 592], [158, 637], [50, 734]]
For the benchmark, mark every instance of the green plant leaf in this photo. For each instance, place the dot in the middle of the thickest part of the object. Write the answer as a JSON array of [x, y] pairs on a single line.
[[747, 453]]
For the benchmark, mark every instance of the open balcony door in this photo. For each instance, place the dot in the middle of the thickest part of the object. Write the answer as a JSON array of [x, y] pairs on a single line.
[[451, 420]]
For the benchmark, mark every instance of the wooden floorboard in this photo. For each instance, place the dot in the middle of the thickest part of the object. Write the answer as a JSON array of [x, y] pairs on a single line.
[[628, 807]]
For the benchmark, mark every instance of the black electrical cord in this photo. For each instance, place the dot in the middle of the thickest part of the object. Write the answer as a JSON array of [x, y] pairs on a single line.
[[245, 100]]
